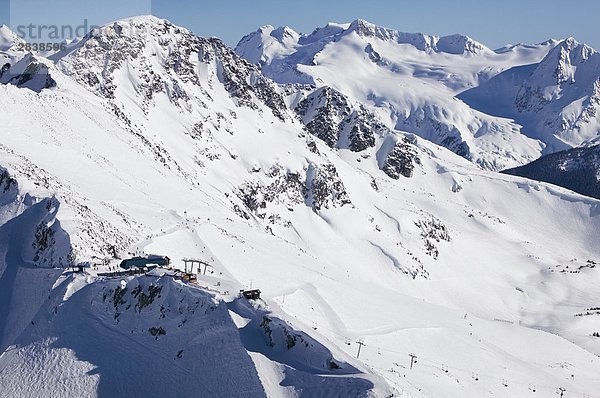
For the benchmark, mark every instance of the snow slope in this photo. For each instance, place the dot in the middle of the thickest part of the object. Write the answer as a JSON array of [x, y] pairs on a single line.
[[577, 169], [156, 141], [108, 337]]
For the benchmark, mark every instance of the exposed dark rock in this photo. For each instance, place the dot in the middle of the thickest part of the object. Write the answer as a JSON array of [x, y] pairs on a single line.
[[330, 116], [433, 231], [401, 160], [318, 186], [241, 78], [29, 73], [325, 188]]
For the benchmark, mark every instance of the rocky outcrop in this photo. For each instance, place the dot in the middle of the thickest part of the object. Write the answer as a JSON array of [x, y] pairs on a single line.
[[29, 72], [316, 186], [401, 160], [433, 232], [324, 188], [241, 79], [332, 117]]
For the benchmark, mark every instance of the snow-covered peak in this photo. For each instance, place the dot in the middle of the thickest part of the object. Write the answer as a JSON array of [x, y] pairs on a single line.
[[320, 33], [567, 63], [136, 28], [142, 60], [563, 60], [150, 21], [460, 44], [551, 43], [285, 33], [145, 46], [267, 43], [580, 51], [29, 72], [8, 38], [570, 51], [137, 32], [366, 28], [557, 99], [453, 44], [147, 26]]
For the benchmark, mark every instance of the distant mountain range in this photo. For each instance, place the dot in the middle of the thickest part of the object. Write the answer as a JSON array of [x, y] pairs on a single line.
[[498, 108]]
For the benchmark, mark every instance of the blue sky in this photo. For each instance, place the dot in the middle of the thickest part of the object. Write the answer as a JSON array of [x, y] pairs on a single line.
[[494, 23]]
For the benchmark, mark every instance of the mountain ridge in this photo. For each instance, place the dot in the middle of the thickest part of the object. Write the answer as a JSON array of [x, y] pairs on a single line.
[[577, 169], [556, 99], [426, 96]]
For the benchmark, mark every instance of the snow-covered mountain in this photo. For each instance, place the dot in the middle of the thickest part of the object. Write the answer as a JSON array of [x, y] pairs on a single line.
[[483, 105], [268, 44], [10, 50], [153, 140], [577, 169], [9, 40], [282, 49], [556, 100], [30, 71]]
